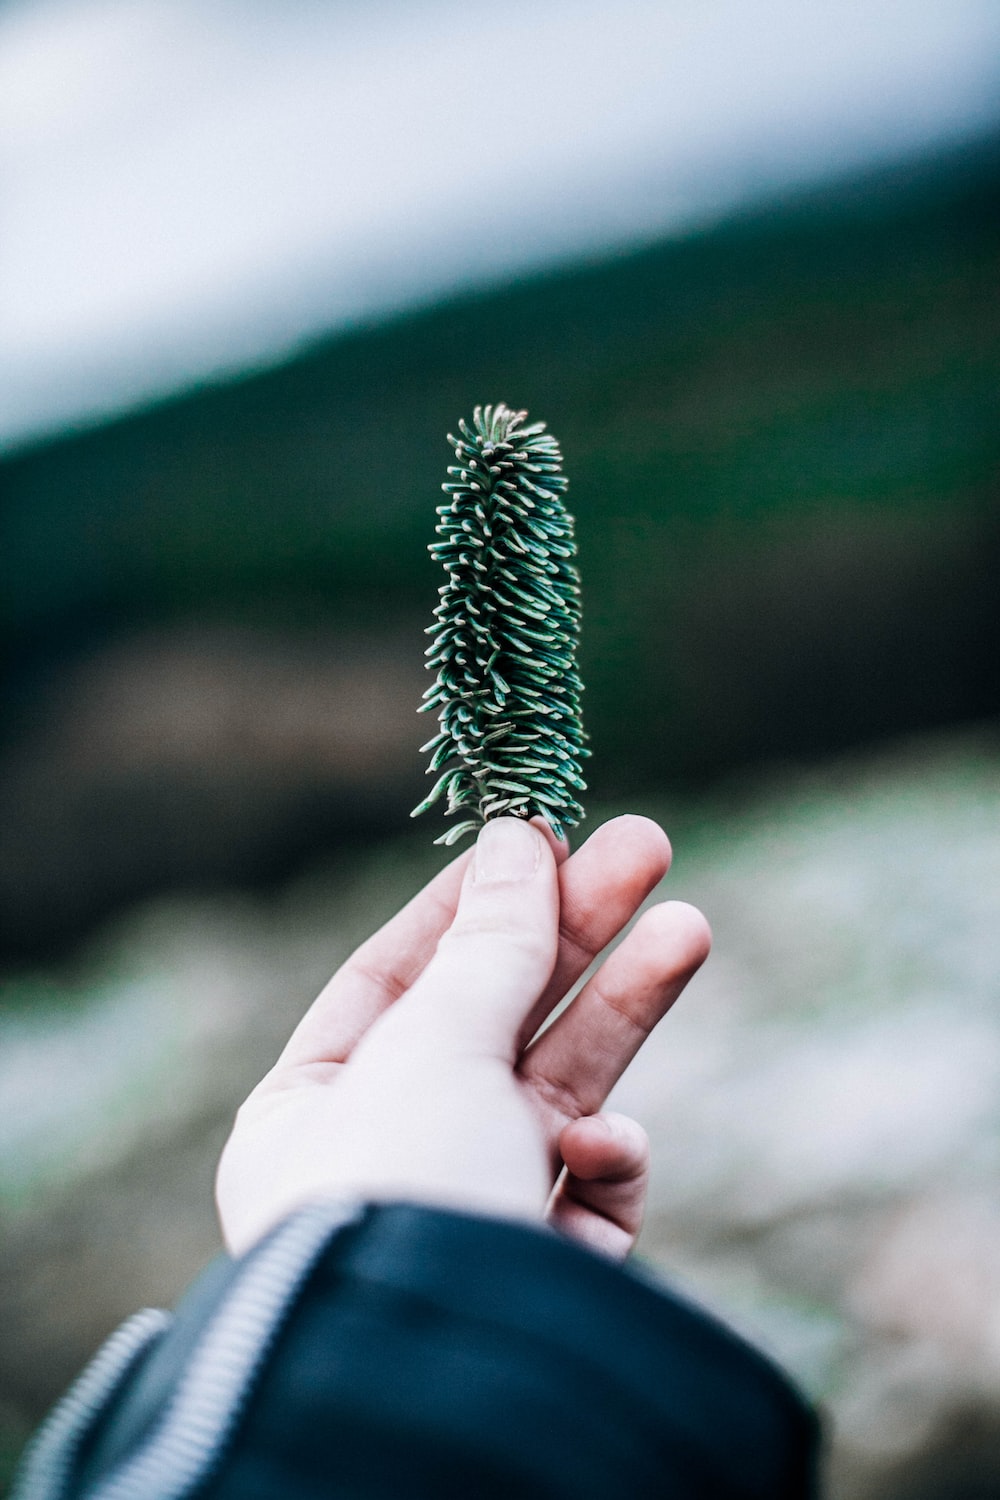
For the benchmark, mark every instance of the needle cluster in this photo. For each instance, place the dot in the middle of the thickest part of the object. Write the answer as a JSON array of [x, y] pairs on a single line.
[[507, 688]]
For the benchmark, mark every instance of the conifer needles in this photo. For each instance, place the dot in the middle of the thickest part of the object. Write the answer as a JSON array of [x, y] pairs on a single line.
[[507, 687]]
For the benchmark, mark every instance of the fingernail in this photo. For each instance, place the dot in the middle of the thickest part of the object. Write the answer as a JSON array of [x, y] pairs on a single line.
[[507, 849]]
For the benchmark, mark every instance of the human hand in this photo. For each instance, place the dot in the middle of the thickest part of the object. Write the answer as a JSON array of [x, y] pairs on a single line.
[[417, 1073]]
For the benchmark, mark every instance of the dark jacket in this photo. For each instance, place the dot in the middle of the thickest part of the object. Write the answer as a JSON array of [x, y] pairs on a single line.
[[400, 1351]]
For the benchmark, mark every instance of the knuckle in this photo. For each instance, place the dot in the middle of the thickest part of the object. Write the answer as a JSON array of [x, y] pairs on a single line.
[[559, 1096], [508, 937]]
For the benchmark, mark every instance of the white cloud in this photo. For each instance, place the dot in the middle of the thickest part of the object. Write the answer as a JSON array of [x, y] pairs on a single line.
[[189, 186]]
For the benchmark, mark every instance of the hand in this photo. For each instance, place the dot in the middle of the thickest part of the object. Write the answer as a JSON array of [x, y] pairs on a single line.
[[417, 1073]]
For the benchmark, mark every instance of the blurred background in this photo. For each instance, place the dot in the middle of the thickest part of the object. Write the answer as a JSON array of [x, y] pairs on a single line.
[[257, 259]]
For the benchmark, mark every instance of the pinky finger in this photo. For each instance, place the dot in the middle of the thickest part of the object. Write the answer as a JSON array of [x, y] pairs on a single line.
[[600, 1198]]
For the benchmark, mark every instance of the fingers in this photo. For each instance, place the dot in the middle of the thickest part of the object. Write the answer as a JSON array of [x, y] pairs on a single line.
[[601, 887], [378, 972], [497, 955], [575, 1063], [600, 890], [601, 1196]]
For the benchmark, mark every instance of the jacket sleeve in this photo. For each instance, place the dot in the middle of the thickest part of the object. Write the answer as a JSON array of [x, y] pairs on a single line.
[[401, 1351]]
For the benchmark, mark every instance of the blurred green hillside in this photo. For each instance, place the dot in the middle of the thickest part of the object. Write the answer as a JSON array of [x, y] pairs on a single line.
[[783, 446]]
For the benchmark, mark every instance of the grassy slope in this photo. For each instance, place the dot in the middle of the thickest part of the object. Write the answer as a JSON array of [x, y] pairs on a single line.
[[783, 444]]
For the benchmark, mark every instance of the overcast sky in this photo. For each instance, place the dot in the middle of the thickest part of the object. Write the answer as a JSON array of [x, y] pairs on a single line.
[[189, 187]]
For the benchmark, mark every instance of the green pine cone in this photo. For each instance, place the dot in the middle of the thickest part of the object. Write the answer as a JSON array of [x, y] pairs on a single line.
[[507, 688]]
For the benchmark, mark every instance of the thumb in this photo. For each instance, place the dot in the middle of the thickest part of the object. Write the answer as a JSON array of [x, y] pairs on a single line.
[[499, 952]]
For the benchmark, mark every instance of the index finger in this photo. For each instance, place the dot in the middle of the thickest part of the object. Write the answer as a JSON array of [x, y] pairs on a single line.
[[385, 966], [601, 887], [600, 890]]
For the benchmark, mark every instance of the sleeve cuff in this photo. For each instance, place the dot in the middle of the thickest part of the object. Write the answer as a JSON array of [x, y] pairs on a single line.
[[368, 1345]]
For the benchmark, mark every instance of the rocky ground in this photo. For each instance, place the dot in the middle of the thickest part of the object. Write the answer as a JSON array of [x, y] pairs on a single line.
[[824, 1103]]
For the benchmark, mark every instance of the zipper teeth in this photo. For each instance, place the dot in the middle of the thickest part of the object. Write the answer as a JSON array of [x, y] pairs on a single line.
[[48, 1459], [206, 1405]]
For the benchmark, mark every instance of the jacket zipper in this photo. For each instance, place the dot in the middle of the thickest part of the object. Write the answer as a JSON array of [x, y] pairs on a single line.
[[201, 1414]]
